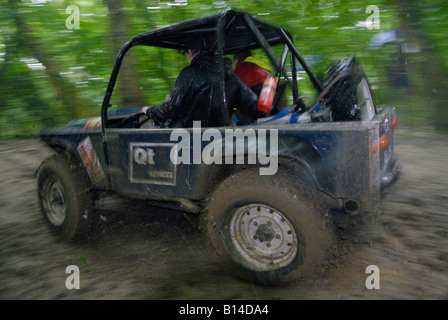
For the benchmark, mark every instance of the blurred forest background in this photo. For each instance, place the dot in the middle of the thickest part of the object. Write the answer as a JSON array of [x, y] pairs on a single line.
[[51, 71]]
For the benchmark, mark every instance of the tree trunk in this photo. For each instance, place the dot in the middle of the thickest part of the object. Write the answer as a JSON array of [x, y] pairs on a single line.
[[65, 91], [128, 84], [433, 71], [161, 70]]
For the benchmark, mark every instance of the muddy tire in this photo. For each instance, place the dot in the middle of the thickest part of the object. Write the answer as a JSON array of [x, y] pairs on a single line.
[[270, 229], [65, 200]]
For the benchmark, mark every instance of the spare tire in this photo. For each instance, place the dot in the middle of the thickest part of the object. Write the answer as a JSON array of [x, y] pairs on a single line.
[[342, 97]]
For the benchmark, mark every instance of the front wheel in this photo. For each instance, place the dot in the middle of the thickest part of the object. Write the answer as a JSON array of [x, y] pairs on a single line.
[[270, 229], [65, 200]]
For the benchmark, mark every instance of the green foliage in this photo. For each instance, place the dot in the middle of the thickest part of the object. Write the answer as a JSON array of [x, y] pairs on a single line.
[[50, 74]]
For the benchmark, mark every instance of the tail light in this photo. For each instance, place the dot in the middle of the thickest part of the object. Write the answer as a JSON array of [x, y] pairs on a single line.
[[380, 145], [394, 122]]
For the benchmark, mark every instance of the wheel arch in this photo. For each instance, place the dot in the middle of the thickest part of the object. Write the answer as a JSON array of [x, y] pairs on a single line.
[[68, 150]]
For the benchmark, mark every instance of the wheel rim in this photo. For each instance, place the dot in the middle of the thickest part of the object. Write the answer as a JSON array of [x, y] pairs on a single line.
[[54, 201], [263, 237]]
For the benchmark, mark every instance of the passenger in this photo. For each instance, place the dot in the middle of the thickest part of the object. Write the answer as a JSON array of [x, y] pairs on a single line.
[[194, 97], [252, 70]]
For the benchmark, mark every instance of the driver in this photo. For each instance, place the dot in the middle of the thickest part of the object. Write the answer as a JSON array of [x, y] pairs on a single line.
[[200, 78]]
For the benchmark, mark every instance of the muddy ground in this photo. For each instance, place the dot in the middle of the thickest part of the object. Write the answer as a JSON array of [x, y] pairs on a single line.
[[143, 252]]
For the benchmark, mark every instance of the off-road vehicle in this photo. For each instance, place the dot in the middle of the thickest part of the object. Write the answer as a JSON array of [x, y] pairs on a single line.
[[333, 153]]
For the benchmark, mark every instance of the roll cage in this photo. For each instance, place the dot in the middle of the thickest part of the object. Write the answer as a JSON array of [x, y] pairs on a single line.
[[227, 31]]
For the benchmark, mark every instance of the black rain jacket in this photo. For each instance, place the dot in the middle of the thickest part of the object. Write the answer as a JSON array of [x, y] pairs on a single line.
[[198, 97]]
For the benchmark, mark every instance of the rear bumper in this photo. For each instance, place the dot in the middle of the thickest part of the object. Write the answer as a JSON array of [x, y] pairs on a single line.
[[391, 175]]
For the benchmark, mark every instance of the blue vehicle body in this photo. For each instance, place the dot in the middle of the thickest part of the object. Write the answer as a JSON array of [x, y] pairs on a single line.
[[337, 155]]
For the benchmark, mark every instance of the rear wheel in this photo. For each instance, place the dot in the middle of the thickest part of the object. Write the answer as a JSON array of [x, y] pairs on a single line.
[[65, 200], [269, 229]]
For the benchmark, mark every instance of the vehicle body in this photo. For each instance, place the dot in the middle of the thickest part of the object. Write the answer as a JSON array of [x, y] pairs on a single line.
[[322, 164]]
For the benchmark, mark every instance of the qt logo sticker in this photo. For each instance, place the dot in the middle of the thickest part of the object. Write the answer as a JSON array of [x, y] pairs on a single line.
[[148, 164]]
